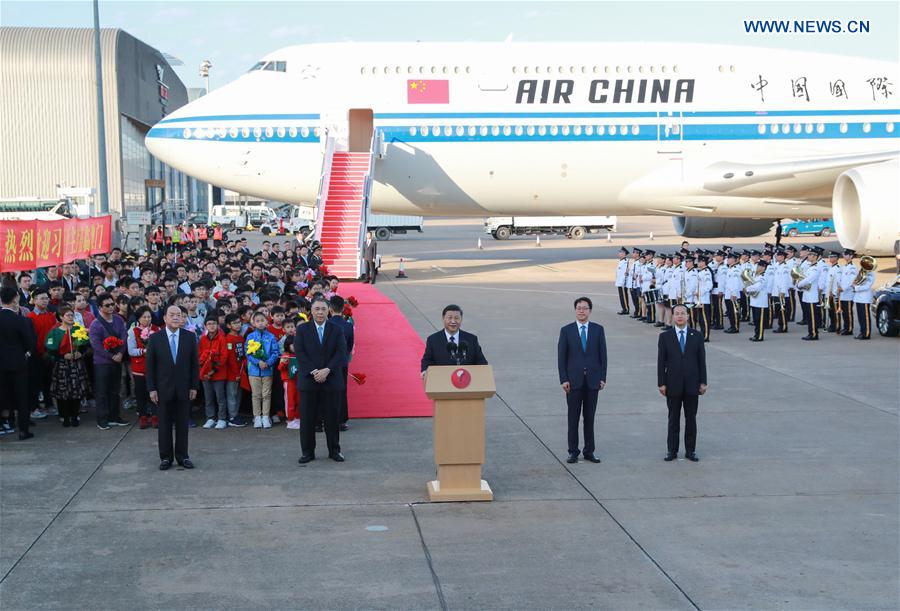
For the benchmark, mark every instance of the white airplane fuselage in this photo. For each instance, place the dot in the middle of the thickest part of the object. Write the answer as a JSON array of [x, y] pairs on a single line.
[[537, 128]]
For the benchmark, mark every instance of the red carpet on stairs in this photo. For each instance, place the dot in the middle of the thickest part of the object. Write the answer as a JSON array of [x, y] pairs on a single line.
[[389, 352]]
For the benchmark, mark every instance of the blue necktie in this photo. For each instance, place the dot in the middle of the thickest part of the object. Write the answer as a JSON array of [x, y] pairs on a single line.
[[321, 334], [173, 347], [681, 340], [584, 338]]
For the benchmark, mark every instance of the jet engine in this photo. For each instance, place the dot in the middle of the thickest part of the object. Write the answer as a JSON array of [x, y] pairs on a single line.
[[866, 205], [696, 227]]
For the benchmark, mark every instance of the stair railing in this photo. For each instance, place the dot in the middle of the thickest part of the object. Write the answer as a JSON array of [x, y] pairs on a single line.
[[324, 182]]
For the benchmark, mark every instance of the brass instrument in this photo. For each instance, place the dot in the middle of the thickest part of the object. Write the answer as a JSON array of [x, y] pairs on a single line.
[[796, 274], [748, 279], [866, 264]]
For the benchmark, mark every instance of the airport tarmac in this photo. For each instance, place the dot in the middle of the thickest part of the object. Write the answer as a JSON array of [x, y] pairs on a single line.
[[794, 503]]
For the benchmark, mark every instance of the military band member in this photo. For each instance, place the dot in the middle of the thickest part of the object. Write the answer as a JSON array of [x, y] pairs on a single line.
[[833, 286], [648, 276], [690, 289], [781, 295], [658, 283], [862, 297], [770, 283], [676, 281], [622, 268], [635, 281], [822, 266], [803, 260], [744, 263], [848, 275], [809, 296], [759, 300], [719, 271], [705, 282], [791, 298], [733, 288], [666, 318]]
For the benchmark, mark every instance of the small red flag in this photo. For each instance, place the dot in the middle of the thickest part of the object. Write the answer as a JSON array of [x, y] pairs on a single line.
[[428, 91]]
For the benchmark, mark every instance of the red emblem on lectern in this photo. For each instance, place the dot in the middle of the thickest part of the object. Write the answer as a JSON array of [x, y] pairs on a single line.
[[461, 378]]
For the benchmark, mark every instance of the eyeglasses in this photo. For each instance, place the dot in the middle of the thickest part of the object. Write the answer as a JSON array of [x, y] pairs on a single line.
[[108, 304]]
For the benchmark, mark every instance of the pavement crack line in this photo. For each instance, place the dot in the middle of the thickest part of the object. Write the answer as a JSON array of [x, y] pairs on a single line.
[[602, 506], [434, 577], [67, 503]]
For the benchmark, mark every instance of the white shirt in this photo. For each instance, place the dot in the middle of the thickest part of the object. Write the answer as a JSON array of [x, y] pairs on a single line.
[[454, 337], [170, 335], [322, 329], [582, 326]]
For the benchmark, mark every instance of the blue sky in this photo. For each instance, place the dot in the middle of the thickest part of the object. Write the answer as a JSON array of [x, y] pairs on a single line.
[[234, 34]]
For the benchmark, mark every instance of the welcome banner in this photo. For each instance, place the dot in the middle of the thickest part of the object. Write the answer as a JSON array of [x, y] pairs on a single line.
[[27, 245]]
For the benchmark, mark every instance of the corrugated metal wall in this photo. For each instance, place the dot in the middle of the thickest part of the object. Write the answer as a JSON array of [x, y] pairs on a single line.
[[48, 111]]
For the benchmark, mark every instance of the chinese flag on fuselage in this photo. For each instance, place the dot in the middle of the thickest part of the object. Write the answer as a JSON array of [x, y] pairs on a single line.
[[423, 91]]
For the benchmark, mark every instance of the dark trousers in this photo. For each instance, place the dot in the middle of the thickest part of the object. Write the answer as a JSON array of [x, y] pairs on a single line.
[[780, 305], [327, 400], [15, 389], [803, 309], [649, 310], [145, 407], [847, 315], [745, 306], [834, 319], [675, 405], [39, 381], [582, 404], [345, 407], [759, 315], [68, 408], [636, 300], [865, 320], [734, 319], [717, 317], [371, 272], [791, 304], [767, 315], [107, 379], [178, 411], [704, 311], [809, 314], [623, 298]]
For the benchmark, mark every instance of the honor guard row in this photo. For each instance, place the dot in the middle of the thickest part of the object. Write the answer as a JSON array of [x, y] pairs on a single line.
[[761, 287]]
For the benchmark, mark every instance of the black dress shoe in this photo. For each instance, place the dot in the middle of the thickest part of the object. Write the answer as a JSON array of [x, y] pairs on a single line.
[[319, 428], [164, 465], [692, 457], [25, 435], [572, 459], [846, 333], [731, 330], [809, 338], [186, 463], [622, 312], [754, 339], [591, 458], [670, 456], [306, 458], [336, 457], [861, 337], [344, 427], [780, 331]]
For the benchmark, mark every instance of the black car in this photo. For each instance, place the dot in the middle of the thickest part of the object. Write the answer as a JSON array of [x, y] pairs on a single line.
[[887, 308]]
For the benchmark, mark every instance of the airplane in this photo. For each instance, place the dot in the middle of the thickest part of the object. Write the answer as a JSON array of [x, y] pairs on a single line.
[[723, 139]]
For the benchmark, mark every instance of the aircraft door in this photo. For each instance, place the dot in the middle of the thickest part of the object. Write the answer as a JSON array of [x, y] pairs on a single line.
[[361, 127], [670, 132]]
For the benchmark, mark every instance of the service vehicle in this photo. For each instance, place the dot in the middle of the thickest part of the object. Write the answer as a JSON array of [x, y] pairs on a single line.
[[574, 227]]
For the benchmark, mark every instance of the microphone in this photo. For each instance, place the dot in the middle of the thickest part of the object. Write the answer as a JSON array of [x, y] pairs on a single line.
[[463, 349], [452, 348]]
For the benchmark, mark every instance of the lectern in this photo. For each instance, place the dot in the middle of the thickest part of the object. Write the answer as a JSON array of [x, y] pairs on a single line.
[[459, 393]]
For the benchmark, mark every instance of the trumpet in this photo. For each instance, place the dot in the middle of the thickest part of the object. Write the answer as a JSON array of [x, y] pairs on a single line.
[[866, 264], [748, 279]]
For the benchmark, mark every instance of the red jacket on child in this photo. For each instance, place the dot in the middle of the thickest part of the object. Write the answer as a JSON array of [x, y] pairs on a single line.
[[213, 357]]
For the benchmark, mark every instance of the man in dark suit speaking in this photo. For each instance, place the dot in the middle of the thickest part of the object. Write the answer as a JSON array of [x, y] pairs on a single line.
[[451, 345], [581, 358], [370, 251], [172, 371], [321, 350], [681, 378]]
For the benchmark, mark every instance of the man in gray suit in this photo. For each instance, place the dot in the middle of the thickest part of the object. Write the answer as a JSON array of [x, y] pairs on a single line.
[[370, 250]]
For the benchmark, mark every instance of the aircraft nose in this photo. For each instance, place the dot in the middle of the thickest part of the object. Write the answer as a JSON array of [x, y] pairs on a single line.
[[174, 139]]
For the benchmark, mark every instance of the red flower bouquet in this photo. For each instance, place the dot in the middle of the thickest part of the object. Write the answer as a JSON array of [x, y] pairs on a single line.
[[347, 312], [323, 270], [359, 378], [352, 301], [112, 343]]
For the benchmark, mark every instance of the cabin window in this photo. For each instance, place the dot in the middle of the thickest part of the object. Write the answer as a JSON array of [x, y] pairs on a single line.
[[612, 130], [280, 131], [460, 130], [257, 132], [542, 130], [304, 132], [820, 128], [761, 128], [413, 131], [867, 127], [455, 69], [186, 134], [507, 130], [636, 129], [233, 132], [797, 128], [519, 130], [316, 132], [808, 128], [269, 132], [730, 69], [530, 130], [773, 128], [514, 69], [471, 130], [576, 130], [589, 130], [889, 128], [444, 69], [292, 132], [843, 128], [495, 131], [565, 130], [554, 130]]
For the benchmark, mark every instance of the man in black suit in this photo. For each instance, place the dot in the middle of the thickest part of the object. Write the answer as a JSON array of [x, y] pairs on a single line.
[[336, 304], [681, 378], [172, 371], [321, 350], [451, 345], [581, 359], [370, 251], [18, 341]]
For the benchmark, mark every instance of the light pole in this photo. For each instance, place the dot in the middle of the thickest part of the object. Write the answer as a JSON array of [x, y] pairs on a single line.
[[101, 127], [205, 65]]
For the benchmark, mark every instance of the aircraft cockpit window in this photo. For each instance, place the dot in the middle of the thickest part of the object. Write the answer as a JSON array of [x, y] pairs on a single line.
[[257, 66], [270, 66], [280, 66]]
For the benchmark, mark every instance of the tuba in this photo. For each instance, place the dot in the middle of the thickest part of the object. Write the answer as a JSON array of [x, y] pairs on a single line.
[[748, 278], [796, 274], [866, 264]]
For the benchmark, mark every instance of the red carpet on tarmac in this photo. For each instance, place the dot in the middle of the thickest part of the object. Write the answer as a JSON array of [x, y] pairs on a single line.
[[389, 352]]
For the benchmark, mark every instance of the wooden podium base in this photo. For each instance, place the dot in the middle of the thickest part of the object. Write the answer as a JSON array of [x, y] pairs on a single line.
[[435, 495]]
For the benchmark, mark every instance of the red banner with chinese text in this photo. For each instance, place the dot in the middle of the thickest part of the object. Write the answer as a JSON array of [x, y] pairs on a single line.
[[27, 245]]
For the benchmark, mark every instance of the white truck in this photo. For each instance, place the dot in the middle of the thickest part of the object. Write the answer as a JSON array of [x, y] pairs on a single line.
[[238, 217], [386, 225], [574, 227], [35, 209]]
